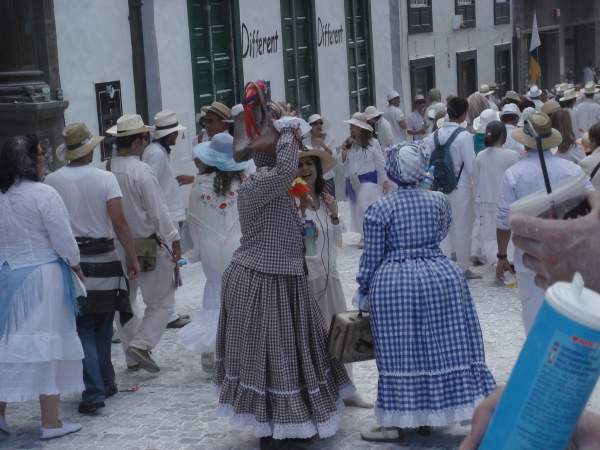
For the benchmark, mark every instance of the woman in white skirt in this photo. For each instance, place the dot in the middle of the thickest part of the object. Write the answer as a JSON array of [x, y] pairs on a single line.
[[214, 227], [40, 352], [321, 212], [363, 162]]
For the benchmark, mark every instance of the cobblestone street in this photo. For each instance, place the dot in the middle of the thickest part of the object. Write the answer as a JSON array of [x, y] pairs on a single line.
[[174, 409]]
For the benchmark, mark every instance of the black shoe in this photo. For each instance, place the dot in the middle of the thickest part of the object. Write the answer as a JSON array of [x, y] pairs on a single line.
[[111, 390], [88, 408], [181, 321]]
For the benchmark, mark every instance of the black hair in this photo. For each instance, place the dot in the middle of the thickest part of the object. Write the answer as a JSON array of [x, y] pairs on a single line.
[[18, 161], [223, 180], [594, 135], [511, 118], [495, 133], [568, 103], [319, 181], [457, 107], [127, 141], [526, 103]]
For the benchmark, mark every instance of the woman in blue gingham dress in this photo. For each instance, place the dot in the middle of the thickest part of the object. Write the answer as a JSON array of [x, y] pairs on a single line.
[[428, 343]]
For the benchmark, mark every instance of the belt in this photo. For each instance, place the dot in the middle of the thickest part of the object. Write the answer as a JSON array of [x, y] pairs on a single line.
[[95, 246]]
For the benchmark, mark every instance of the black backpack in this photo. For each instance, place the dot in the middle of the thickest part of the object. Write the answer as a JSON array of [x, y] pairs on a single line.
[[444, 178]]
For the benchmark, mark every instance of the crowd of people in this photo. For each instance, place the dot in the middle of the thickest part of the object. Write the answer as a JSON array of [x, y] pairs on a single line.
[[429, 192]]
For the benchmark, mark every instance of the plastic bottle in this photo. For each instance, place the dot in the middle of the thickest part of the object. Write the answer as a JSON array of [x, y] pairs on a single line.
[[428, 180]]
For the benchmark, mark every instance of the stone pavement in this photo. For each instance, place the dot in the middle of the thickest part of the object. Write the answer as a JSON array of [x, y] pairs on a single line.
[[174, 409]]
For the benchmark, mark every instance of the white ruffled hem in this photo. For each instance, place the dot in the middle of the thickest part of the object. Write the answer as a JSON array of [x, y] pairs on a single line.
[[432, 418]]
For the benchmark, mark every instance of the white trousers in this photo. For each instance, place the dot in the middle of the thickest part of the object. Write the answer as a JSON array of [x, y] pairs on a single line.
[[158, 293], [458, 240], [367, 194], [531, 298]]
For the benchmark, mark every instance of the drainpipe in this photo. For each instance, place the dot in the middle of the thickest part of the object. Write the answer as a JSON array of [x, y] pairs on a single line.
[[137, 56]]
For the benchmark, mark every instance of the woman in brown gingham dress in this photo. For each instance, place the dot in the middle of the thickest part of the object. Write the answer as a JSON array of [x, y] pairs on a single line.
[[272, 365]]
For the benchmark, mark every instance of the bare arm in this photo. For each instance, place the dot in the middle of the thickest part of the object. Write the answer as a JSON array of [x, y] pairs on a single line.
[[121, 227]]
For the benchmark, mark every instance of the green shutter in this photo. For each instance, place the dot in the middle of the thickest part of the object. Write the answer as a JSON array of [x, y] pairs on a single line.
[[358, 42]]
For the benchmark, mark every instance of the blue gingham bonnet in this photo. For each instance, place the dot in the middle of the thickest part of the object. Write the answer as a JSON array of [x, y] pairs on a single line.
[[407, 163]]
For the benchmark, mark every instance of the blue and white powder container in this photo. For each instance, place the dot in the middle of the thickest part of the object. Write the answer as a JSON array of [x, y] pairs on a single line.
[[554, 376]]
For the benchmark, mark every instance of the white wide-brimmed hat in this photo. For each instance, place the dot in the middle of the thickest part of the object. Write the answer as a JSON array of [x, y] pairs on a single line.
[[128, 125], [314, 118], [485, 90], [570, 94], [392, 95], [372, 112], [79, 141], [165, 123], [328, 162], [218, 152], [419, 98], [360, 120], [434, 109], [542, 125], [534, 91], [487, 115], [590, 88], [510, 109]]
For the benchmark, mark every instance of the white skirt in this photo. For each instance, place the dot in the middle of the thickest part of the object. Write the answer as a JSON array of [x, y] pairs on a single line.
[[43, 357], [329, 295], [367, 194]]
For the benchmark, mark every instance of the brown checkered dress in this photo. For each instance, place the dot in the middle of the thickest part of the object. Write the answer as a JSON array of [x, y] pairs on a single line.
[[273, 368]]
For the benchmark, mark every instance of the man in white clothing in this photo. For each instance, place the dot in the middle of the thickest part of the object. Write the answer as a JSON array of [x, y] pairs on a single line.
[[488, 92], [158, 156], [462, 151], [395, 116], [510, 116], [587, 112], [381, 125], [217, 119], [568, 101], [415, 122], [150, 223], [535, 94]]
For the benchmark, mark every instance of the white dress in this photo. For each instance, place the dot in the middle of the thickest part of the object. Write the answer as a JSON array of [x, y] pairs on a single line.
[[215, 231], [42, 356], [361, 161]]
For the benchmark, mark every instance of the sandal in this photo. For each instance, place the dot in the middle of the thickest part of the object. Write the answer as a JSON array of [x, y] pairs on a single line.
[[383, 434]]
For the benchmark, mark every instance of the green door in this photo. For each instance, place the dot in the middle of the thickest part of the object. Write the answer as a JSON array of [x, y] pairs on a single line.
[[214, 62], [299, 57], [359, 54]]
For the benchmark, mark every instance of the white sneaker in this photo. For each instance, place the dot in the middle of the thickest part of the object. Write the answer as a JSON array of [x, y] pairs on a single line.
[[4, 426], [67, 428]]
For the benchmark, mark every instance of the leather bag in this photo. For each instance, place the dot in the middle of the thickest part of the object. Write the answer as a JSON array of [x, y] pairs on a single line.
[[146, 250], [350, 337]]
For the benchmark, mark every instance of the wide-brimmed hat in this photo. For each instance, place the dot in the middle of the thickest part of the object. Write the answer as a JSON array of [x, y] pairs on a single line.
[[550, 107], [392, 95], [590, 88], [128, 125], [328, 162], [510, 109], [360, 120], [220, 110], [481, 122], [534, 91], [542, 125], [570, 94], [435, 109], [419, 98], [485, 90], [79, 141], [165, 123], [314, 118], [512, 95], [372, 112], [218, 152]]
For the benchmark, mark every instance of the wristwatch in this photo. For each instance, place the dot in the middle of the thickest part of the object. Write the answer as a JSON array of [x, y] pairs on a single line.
[[335, 220], [501, 256]]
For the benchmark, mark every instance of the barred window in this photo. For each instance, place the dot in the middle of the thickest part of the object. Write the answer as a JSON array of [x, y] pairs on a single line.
[[466, 8], [501, 12], [420, 17]]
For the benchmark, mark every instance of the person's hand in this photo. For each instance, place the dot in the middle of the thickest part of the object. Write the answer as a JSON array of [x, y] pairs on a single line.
[[556, 249], [78, 272], [330, 203], [502, 267], [481, 419], [185, 179], [133, 268], [176, 251]]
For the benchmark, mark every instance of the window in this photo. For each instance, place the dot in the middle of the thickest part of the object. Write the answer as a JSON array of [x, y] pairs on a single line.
[[466, 8], [299, 55], [501, 12], [503, 69], [466, 67], [419, 16], [216, 64], [422, 76], [358, 41]]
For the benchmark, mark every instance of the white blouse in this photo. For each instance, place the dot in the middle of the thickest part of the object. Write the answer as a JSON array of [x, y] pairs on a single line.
[[363, 160], [34, 227], [329, 236]]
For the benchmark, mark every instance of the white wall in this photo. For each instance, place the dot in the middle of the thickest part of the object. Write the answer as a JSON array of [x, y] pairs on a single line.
[[94, 46], [382, 52]]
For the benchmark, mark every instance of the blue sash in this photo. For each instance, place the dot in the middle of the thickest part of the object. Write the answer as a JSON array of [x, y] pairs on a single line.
[[369, 177]]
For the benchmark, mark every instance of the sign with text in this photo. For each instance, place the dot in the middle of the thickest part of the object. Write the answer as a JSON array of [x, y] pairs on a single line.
[[255, 43], [328, 35]]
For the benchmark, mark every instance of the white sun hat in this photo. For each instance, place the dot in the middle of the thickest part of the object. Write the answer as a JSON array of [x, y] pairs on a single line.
[[534, 91], [128, 125], [165, 123], [487, 115], [360, 120], [510, 109], [372, 112], [314, 118], [392, 95]]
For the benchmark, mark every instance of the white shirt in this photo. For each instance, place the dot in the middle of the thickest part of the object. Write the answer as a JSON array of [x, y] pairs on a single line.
[[364, 160], [34, 227], [328, 235], [156, 156], [574, 154], [415, 121], [385, 135], [143, 204], [85, 191], [587, 114], [488, 171], [589, 163], [462, 151], [395, 115], [511, 143], [575, 122], [492, 104], [538, 104]]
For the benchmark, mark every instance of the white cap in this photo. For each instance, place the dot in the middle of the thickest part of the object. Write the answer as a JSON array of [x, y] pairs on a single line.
[[237, 109], [314, 118], [510, 109], [392, 95]]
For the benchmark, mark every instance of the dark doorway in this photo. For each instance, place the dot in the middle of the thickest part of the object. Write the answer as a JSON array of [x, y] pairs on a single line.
[[466, 68]]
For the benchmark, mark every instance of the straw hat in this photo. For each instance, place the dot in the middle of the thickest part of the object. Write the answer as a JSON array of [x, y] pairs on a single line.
[[510, 109], [218, 152], [550, 107], [372, 112], [328, 162], [542, 125], [487, 115], [419, 98], [590, 88], [360, 120], [570, 94], [392, 95], [220, 110], [79, 141], [485, 90], [314, 118], [512, 95], [165, 123], [534, 91], [128, 125]]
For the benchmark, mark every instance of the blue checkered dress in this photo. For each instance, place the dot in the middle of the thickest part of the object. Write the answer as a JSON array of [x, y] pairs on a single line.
[[428, 343]]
